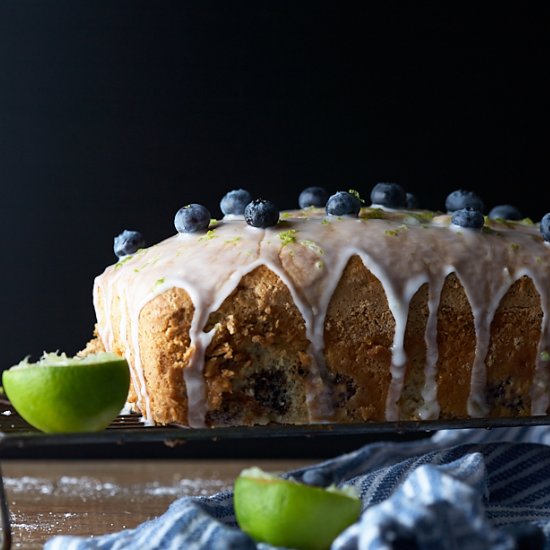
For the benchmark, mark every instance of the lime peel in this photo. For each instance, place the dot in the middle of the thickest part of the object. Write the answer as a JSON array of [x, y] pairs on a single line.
[[61, 394], [291, 514]]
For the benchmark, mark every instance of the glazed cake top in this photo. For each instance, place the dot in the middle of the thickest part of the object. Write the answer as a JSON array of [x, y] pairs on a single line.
[[309, 251]]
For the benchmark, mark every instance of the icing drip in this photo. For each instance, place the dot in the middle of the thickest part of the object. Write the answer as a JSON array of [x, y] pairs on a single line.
[[138, 377], [484, 295], [399, 306], [309, 253], [430, 408]]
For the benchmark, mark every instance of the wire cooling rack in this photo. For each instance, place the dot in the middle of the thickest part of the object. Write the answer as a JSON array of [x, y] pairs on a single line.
[[20, 440]]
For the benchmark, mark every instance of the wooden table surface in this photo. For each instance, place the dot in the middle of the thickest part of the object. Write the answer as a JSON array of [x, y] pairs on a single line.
[[93, 497]]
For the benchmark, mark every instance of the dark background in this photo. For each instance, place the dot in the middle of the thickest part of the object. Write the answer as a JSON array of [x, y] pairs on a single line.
[[115, 114]]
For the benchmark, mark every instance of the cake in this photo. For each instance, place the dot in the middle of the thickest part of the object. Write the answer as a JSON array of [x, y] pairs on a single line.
[[385, 314]]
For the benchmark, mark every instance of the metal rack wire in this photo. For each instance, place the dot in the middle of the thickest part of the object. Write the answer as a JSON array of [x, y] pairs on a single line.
[[18, 437]]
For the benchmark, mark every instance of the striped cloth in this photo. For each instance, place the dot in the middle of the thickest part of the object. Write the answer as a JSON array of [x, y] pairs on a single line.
[[457, 489]]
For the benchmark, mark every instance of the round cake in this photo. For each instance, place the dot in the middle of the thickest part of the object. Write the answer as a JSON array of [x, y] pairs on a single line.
[[373, 313]]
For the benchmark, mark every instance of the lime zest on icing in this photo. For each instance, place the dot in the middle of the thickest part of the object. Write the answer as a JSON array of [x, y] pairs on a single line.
[[123, 261], [372, 214], [288, 236], [395, 232], [312, 246], [234, 240], [356, 194], [160, 281], [208, 236], [425, 216]]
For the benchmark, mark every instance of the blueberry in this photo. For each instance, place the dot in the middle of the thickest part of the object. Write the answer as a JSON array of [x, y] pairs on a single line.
[[412, 201], [527, 536], [192, 218], [505, 212], [343, 203], [235, 201], [317, 478], [545, 226], [391, 195], [128, 242], [261, 213], [463, 199], [468, 217], [313, 196]]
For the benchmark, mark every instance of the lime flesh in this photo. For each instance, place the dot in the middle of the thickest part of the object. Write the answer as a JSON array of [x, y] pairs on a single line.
[[60, 394], [291, 514]]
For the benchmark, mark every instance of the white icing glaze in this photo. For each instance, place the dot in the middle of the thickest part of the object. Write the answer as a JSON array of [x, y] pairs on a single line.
[[430, 408], [309, 252]]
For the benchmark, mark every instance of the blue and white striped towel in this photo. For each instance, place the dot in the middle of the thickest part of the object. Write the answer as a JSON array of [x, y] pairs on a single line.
[[457, 489]]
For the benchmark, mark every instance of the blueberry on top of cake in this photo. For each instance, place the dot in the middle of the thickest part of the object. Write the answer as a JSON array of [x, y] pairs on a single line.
[[468, 217], [343, 203], [342, 312], [313, 196], [192, 218], [462, 198], [505, 212], [234, 202], [391, 195], [261, 213], [128, 242]]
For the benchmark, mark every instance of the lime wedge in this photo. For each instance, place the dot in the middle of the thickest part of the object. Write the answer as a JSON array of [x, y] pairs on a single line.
[[292, 514], [60, 394]]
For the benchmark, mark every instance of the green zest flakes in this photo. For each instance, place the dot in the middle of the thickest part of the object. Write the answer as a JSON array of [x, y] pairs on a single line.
[[288, 236], [234, 240], [124, 260], [319, 264], [210, 234], [213, 223], [136, 254], [508, 223], [395, 232], [545, 356], [159, 282], [324, 221], [285, 215], [373, 214], [356, 194], [490, 231], [423, 217], [514, 246], [312, 246]]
